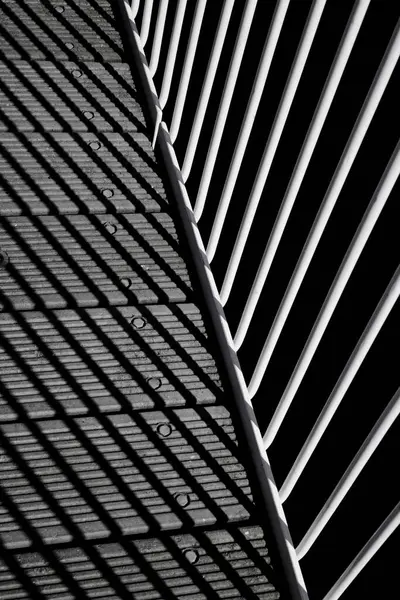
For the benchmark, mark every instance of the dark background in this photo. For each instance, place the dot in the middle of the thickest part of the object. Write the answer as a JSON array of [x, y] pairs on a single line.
[[376, 491]]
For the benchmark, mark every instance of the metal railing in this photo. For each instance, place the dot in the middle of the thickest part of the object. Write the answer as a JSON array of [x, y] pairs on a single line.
[[162, 27]]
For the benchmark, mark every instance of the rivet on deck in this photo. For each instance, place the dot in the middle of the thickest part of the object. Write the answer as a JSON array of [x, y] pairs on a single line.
[[154, 382], [4, 258], [191, 555], [138, 322], [182, 499], [126, 282], [164, 430]]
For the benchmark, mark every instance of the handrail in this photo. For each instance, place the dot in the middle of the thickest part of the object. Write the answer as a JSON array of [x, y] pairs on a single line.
[[236, 22]]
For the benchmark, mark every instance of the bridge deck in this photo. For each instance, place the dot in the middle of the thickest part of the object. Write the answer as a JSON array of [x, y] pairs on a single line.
[[121, 471]]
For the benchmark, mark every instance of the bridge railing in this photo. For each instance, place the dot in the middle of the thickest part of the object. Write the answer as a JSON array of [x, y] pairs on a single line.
[[169, 30]]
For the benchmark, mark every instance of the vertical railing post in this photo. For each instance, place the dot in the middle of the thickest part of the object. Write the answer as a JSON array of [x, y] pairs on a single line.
[[207, 88], [187, 68], [172, 51], [223, 109]]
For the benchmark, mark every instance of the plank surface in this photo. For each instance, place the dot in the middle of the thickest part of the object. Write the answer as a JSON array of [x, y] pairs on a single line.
[[90, 261], [77, 29], [105, 360], [186, 475], [217, 564], [68, 95], [68, 173]]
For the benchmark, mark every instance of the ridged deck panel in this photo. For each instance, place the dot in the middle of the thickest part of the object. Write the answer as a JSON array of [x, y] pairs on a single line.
[[58, 261], [106, 360], [48, 172], [71, 95]]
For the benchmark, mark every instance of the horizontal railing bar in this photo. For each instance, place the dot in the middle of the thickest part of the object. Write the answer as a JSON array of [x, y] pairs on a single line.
[[187, 68], [314, 131], [207, 87], [247, 124], [172, 51], [349, 262], [145, 28], [367, 449], [346, 161], [158, 36], [364, 556], [223, 108], [347, 376]]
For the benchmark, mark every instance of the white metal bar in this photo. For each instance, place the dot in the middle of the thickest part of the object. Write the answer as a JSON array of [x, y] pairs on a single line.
[[134, 8], [187, 68], [349, 154], [153, 102], [347, 376], [158, 36], [349, 262], [225, 103], [317, 122], [364, 556], [247, 124], [145, 28], [269, 152], [207, 87], [367, 449], [172, 51]]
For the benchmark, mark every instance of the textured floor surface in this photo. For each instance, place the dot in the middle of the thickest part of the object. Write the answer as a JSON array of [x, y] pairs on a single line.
[[121, 475]]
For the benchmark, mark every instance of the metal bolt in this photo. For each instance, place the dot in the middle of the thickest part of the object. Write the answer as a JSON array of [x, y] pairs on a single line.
[[77, 73], [182, 499], [154, 382], [69, 45], [110, 228], [4, 258], [108, 193], [192, 556], [164, 429], [95, 145], [60, 9], [138, 322], [88, 114], [126, 282]]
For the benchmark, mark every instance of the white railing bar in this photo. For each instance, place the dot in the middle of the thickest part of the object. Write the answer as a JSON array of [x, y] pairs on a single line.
[[347, 376], [187, 68], [158, 36], [367, 449], [172, 51], [364, 556], [270, 149], [349, 154], [207, 87], [225, 103], [247, 124], [134, 8], [349, 262], [145, 28], [317, 123]]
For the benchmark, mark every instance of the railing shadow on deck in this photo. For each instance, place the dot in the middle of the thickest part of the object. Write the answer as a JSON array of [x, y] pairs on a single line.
[[31, 425]]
